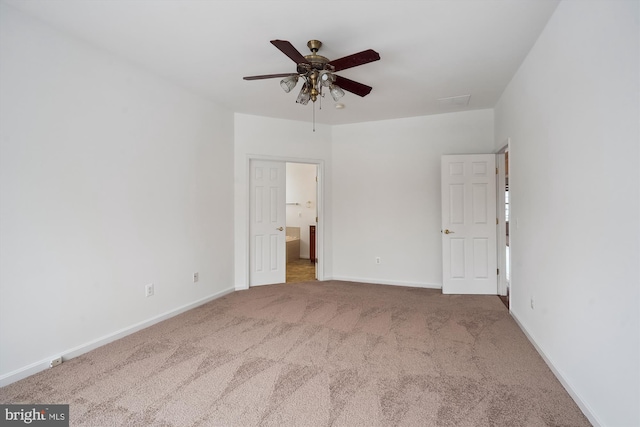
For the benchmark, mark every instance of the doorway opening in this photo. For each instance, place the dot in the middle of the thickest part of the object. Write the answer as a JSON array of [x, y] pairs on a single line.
[[301, 221], [504, 255], [267, 218], [506, 218]]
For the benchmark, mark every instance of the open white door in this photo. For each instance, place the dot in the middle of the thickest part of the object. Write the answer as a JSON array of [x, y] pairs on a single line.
[[267, 257], [469, 263]]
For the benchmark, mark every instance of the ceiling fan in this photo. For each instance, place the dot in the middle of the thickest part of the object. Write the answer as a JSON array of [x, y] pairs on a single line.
[[317, 72]]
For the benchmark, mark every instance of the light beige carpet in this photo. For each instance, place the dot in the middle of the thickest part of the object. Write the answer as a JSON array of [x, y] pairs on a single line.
[[315, 354]]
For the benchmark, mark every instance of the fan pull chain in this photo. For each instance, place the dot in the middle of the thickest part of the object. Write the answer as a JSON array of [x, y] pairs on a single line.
[[314, 116]]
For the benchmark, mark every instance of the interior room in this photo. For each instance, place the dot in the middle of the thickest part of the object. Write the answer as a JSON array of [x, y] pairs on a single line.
[[128, 140]]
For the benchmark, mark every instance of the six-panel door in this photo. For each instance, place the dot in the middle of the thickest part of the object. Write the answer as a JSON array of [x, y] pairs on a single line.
[[469, 263], [267, 260]]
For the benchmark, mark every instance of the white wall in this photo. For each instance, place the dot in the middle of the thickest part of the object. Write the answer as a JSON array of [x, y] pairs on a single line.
[[572, 114], [301, 189], [386, 194], [283, 140], [110, 178]]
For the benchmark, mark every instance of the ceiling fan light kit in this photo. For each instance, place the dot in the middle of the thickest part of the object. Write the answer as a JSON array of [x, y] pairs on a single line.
[[318, 72]]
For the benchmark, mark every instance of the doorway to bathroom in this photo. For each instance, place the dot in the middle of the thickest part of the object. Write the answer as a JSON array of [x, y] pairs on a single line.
[[267, 217], [301, 221]]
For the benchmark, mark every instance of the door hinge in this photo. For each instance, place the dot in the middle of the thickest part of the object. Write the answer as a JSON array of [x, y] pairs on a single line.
[[498, 271], [316, 179], [496, 221], [316, 219], [496, 171]]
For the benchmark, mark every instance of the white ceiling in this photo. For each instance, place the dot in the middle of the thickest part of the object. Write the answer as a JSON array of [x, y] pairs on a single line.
[[429, 49]]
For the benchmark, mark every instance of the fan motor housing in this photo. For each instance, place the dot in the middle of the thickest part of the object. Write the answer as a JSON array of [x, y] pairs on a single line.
[[316, 62]]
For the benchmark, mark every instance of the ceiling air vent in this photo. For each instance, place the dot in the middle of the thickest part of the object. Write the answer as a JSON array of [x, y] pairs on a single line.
[[455, 101]]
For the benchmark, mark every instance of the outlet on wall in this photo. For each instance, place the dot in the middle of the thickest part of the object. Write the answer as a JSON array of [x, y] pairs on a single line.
[[148, 290], [196, 277], [377, 260]]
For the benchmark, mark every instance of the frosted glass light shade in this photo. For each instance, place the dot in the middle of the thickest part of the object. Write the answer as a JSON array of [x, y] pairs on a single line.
[[289, 83], [336, 92], [304, 95], [326, 78]]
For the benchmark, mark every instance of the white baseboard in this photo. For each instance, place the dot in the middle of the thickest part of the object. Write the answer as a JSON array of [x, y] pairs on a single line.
[[584, 407], [36, 367], [386, 282]]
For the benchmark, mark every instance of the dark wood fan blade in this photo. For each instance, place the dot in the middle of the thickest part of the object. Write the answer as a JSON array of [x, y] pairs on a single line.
[[268, 76], [288, 49], [353, 87], [356, 59]]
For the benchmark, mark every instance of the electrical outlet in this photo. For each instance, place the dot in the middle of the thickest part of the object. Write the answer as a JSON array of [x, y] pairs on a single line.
[[377, 260], [55, 362], [196, 277], [148, 290]]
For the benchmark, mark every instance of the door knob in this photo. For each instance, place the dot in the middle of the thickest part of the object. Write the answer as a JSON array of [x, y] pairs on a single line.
[[448, 232], [280, 228]]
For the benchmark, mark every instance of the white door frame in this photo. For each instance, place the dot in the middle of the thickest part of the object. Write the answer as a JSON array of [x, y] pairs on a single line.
[[502, 226], [501, 238], [320, 255]]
